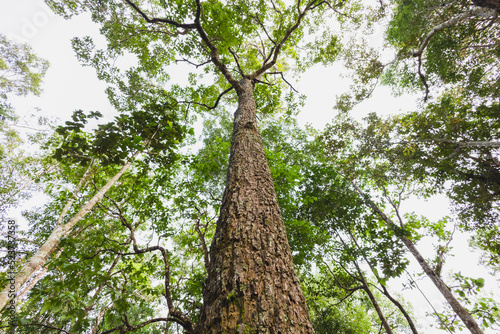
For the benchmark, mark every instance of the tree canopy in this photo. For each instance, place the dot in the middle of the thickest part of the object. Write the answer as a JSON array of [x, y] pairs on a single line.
[[256, 223]]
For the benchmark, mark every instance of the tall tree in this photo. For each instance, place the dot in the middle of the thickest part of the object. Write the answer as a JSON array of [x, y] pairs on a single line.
[[251, 284]]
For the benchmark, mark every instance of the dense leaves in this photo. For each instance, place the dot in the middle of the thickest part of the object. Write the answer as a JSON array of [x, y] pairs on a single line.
[[138, 261]]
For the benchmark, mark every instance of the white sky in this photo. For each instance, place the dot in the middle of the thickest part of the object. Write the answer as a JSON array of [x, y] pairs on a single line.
[[68, 86]]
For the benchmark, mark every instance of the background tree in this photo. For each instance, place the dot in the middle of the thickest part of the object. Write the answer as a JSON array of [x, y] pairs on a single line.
[[21, 73], [366, 156]]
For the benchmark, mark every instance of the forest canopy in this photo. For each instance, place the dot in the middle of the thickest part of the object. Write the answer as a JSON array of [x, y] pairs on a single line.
[[203, 206]]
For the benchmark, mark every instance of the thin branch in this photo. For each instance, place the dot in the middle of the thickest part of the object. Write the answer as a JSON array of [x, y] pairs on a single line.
[[180, 318], [256, 18], [29, 182], [395, 206], [428, 302], [347, 296], [352, 290], [264, 82], [384, 289], [159, 20], [206, 254], [283, 77], [206, 105], [276, 50], [129, 328], [422, 78], [276, 9], [235, 56], [484, 46], [194, 64], [339, 12], [42, 325], [22, 239]]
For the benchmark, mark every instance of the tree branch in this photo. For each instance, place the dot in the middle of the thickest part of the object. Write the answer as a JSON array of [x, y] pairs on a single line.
[[129, 328], [214, 52], [475, 11], [283, 77], [206, 254], [216, 102], [276, 50], [42, 325], [187, 26], [191, 63], [235, 56], [178, 316]]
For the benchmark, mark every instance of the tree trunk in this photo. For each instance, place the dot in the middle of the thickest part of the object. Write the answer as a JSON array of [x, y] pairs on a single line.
[[252, 286], [462, 312], [375, 304], [384, 289]]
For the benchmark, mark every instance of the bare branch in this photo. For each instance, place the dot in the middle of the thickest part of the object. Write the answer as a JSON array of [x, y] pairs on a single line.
[[235, 56], [159, 20], [191, 63], [283, 77], [206, 105]]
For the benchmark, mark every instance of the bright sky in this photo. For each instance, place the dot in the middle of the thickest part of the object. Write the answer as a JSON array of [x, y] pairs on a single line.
[[68, 86]]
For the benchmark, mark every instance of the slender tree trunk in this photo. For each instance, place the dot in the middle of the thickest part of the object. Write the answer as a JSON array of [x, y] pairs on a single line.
[[252, 286], [60, 231], [461, 311], [384, 289], [375, 304]]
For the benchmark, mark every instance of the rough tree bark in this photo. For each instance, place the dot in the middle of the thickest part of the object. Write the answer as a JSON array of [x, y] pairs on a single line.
[[252, 286]]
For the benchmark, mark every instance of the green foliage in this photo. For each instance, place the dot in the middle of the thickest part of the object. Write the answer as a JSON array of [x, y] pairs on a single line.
[[328, 316], [451, 146], [484, 308], [460, 53], [335, 310], [170, 199], [155, 129], [22, 171], [21, 73]]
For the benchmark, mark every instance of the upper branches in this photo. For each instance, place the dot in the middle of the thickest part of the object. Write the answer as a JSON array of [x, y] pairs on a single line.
[[188, 26], [473, 12], [221, 43], [272, 58], [214, 52], [196, 25]]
